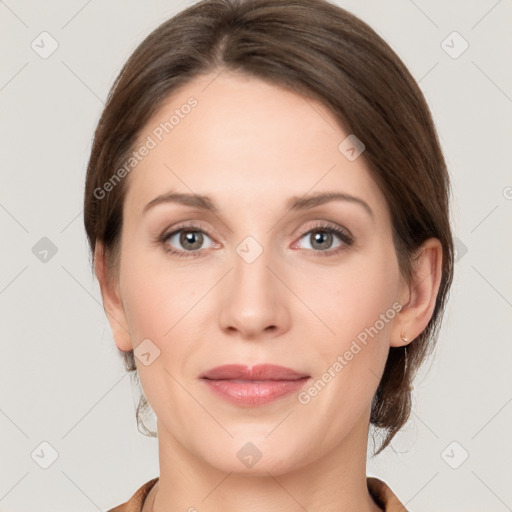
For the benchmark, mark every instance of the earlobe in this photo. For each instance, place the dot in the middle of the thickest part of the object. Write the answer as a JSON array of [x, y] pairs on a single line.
[[422, 294], [112, 303]]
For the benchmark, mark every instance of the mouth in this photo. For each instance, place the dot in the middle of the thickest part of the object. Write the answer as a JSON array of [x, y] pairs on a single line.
[[253, 386], [256, 372]]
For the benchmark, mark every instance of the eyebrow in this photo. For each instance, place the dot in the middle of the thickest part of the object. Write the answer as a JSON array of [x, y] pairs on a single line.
[[295, 203]]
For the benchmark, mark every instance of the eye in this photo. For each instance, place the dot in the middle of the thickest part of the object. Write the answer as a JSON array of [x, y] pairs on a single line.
[[322, 237], [185, 239], [188, 241]]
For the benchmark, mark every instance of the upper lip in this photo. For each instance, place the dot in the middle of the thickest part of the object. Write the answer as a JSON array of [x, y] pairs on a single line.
[[256, 372]]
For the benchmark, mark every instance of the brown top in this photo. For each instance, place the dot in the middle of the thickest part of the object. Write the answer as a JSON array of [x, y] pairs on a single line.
[[379, 490]]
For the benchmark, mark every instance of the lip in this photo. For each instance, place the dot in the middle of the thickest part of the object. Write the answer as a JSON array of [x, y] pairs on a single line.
[[256, 372], [253, 386]]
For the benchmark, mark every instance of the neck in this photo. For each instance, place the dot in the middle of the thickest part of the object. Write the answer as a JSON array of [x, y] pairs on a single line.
[[334, 482]]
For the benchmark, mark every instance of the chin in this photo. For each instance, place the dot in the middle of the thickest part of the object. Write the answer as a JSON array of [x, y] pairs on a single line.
[[254, 455]]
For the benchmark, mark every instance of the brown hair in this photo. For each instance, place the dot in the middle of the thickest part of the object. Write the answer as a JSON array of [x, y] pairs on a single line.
[[320, 51]]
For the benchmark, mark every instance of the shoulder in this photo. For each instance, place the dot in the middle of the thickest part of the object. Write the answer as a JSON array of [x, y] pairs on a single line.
[[134, 504], [379, 490], [384, 496]]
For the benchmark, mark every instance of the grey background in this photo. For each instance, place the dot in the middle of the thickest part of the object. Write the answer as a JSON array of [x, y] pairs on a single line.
[[62, 381]]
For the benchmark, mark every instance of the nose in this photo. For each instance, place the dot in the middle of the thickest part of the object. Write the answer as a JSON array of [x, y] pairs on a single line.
[[254, 302]]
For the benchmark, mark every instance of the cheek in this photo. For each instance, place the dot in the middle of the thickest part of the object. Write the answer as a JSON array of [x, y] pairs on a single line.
[[357, 307], [355, 304], [366, 284], [159, 307], [155, 295], [148, 308], [164, 306]]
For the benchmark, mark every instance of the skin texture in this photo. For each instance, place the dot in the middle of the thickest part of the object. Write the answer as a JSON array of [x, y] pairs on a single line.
[[250, 145]]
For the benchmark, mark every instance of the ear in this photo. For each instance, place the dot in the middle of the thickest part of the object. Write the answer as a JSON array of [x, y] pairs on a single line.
[[112, 303], [418, 298]]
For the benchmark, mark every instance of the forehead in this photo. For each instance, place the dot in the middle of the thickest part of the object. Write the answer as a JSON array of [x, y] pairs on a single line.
[[236, 137]]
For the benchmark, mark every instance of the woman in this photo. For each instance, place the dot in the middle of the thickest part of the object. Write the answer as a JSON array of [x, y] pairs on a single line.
[[267, 206]]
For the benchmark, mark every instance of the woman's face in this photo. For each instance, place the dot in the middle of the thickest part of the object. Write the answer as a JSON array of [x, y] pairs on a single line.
[[256, 280]]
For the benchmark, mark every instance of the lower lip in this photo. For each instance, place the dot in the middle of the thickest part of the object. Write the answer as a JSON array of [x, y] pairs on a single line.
[[251, 393]]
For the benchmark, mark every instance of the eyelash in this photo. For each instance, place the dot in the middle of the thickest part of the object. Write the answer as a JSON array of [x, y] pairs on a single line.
[[342, 234]]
